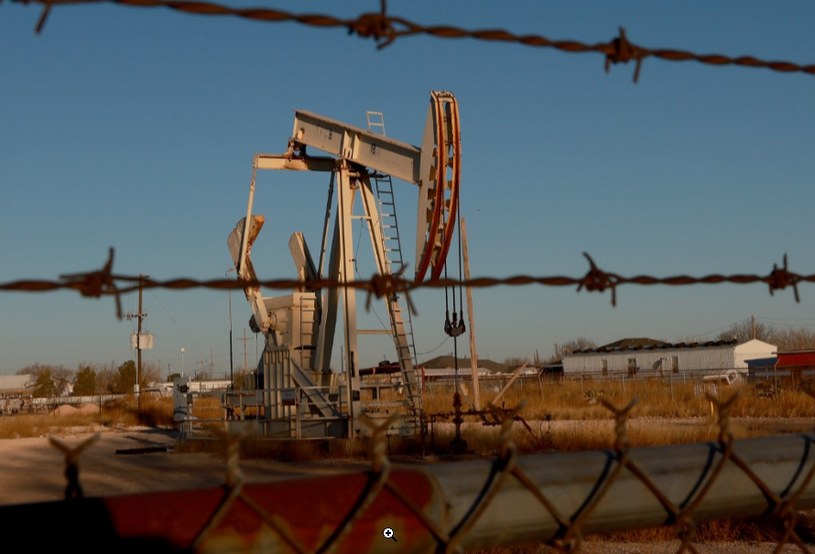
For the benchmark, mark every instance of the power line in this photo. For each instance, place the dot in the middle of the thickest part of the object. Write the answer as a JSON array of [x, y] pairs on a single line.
[[446, 338]]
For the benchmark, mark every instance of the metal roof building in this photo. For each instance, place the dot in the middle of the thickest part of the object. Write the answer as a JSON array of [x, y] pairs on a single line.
[[644, 356], [16, 384], [800, 359]]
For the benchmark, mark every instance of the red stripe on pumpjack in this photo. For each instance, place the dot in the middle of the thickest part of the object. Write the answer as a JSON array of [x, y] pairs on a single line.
[[438, 263], [441, 165]]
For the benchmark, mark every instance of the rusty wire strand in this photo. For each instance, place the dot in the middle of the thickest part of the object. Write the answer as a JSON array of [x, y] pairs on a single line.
[[681, 518], [73, 490], [784, 508], [790, 535], [98, 283], [439, 535], [103, 282], [384, 29], [620, 421], [234, 491], [377, 477], [569, 536], [502, 467], [232, 446], [685, 523], [568, 539], [621, 449], [231, 494]]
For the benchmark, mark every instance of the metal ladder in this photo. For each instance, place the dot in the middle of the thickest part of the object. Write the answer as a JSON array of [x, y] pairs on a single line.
[[403, 335], [383, 185]]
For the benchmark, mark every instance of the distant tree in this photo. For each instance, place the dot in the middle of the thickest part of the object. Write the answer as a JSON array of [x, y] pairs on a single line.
[[748, 329], [565, 348], [799, 338], [125, 378], [63, 380], [242, 379], [34, 369], [150, 373], [794, 339], [48, 380], [106, 378], [44, 386], [85, 381]]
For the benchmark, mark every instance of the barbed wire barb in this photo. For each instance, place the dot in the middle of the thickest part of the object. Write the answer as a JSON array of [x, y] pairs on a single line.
[[97, 283], [46, 11], [375, 25], [388, 285], [781, 278], [73, 490], [622, 51], [599, 280]]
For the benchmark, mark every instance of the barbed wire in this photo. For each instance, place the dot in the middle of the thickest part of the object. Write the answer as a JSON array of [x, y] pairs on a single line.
[[385, 29], [103, 282]]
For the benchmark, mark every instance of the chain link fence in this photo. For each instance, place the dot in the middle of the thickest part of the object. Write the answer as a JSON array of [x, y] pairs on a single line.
[[553, 499]]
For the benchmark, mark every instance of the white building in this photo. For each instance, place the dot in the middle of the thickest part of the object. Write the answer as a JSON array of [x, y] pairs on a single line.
[[649, 357], [15, 385]]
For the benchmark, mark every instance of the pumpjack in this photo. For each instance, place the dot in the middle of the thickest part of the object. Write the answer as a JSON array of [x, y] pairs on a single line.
[[299, 392]]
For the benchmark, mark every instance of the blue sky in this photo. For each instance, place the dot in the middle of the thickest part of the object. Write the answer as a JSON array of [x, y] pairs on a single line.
[[135, 128]]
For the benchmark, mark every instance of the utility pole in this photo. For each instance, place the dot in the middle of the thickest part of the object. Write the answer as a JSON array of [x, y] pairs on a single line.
[[245, 355], [139, 316], [471, 318], [231, 340]]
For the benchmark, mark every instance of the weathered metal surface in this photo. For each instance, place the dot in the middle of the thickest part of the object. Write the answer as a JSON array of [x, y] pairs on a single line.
[[471, 504], [440, 168], [287, 516], [375, 151], [283, 161]]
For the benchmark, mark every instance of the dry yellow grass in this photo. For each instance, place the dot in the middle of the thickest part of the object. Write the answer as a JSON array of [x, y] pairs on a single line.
[[208, 408], [152, 412], [561, 416], [580, 399], [569, 415]]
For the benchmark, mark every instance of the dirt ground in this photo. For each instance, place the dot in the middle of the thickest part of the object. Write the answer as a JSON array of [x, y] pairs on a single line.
[[126, 461]]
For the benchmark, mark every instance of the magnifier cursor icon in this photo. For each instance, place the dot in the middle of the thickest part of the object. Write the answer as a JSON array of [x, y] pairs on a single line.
[[387, 532]]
